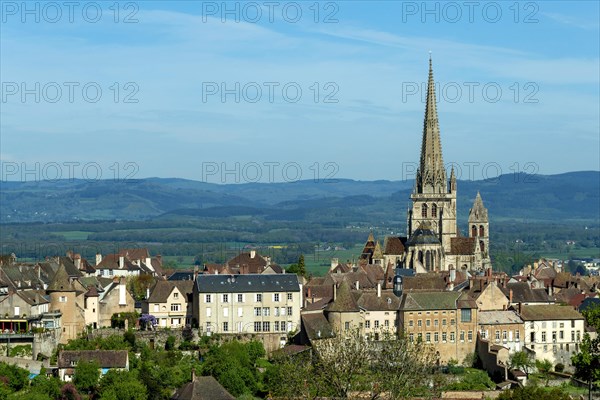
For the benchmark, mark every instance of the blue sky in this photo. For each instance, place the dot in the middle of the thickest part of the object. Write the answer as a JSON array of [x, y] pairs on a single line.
[[518, 88]]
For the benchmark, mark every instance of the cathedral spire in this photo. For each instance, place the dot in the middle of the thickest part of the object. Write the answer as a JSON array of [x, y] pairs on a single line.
[[431, 176]]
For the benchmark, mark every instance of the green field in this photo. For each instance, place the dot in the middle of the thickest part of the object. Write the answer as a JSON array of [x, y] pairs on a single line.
[[318, 263], [73, 235], [591, 252]]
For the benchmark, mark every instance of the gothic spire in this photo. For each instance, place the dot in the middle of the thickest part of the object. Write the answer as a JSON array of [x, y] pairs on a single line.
[[478, 212], [431, 176]]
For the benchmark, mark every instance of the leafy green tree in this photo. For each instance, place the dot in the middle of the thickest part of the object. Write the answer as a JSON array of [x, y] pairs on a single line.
[[521, 360], [592, 316], [473, 380], [170, 343], [46, 385], [69, 392], [544, 367], [301, 265], [86, 376], [587, 362], [12, 377], [122, 385]]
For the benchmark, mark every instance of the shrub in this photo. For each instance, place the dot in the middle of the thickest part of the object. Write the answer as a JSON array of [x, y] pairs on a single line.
[[170, 344]]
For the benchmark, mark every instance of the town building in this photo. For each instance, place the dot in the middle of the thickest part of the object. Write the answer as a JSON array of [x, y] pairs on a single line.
[[171, 303], [107, 359]]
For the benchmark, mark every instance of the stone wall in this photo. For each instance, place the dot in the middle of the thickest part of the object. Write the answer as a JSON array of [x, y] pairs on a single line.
[[32, 366]]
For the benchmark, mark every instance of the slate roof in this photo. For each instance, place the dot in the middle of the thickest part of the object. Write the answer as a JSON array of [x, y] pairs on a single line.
[[423, 236], [394, 245], [523, 293], [548, 312], [247, 283], [61, 281], [433, 301], [316, 326], [106, 358], [345, 300], [163, 289], [387, 302], [202, 388], [181, 276], [498, 317]]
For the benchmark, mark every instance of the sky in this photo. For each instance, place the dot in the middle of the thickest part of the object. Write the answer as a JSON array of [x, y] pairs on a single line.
[[278, 91]]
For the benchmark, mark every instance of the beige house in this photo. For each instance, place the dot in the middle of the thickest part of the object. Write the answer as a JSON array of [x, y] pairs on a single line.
[[504, 328], [447, 320], [553, 332], [248, 303], [170, 302]]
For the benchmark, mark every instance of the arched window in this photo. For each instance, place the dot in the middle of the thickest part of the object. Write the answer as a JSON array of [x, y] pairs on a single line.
[[428, 260], [424, 211], [473, 231], [481, 246], [434, 210], [481, 230]]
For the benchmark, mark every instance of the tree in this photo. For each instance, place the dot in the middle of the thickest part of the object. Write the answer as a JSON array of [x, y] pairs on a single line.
[[122, 385], [86, 376], [592, 316], [12, 377], [301, 266], [587, 362], [523, 361], [544, 367], [69, 392]]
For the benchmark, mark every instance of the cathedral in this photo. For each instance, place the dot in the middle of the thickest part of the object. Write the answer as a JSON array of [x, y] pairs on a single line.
[[433, 241]]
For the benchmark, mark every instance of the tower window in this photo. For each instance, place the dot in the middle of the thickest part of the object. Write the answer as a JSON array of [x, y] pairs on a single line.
[[434, 210], [481, 246], [473, 231], [481, 230], [424, 211]]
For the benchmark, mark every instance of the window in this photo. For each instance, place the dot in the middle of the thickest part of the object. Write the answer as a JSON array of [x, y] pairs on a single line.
[[257, 326], [428, 337], [225, 326], [289, 311], [567, 346], [225, 298], [561, 334], [504, 336], [470, 336], [545, 347], [266, 326], [376, 324], [266, 311], [419, 323], [289, 326], [289, 297], [497, 336], [257, 311], [276, 311], [276, 327], [554, 324], [444, 337], [462, 336], [452, 336], [572, 323], [543, 337], [452, 322], [517, 335], [283, 310], [276, 297], [410, 323], [175, 295], [226, 312], [156, 308], [368, 324], [554, 348], [436, 323], [561, 325], [543, 324], [259, 297], [554, 336], [436, 337], [62, 299], [572, 336], [207, 298], [465, 315], [208, 312], [420, 337], [175, 307], [240, 312], [240, 298], [428, 323], [386, 323], [424, 210], [434, 210], [347, 325], [444, 322], [411, 337]]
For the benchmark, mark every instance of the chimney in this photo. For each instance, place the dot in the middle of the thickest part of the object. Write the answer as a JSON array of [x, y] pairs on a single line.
[[98, 258], [334, 292], [535, 265], [148, 263], [510, 296], [252, 253], [122, 292], [121, 262], [334, 263], [379, 290], [77, 261]]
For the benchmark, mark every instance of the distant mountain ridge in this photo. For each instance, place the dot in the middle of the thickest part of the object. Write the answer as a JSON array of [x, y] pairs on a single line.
[[573, 195]]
